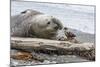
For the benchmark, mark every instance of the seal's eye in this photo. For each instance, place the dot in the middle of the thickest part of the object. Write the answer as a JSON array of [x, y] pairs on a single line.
[[48, 22]]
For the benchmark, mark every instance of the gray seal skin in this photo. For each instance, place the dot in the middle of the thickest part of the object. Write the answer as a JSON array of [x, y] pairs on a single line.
[[31, 23]]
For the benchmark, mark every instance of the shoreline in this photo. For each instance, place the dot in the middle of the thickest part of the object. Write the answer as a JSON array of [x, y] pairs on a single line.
[[83, 36]]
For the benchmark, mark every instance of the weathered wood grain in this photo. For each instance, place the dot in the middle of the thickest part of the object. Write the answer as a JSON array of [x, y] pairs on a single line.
[[86, 50]]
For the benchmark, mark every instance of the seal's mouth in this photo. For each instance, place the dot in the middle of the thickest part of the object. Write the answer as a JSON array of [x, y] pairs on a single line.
[[52, 33]]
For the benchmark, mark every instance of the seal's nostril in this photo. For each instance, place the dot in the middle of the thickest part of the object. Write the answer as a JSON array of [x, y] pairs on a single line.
[[56, 27]]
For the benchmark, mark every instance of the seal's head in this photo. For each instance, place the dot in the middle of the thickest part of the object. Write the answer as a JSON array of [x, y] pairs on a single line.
[[45, 26], [30, 12]]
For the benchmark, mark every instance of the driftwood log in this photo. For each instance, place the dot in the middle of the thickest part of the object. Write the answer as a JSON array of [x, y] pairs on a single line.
[[85, 50]]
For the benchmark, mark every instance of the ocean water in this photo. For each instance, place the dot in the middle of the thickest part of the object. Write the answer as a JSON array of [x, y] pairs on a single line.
[[79, 17]]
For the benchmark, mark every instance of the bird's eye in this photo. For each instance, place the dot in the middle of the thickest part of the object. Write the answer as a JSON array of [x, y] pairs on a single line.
[[48, 22]]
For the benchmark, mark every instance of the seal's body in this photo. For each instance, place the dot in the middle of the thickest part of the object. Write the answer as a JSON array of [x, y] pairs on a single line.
[[30, 23]]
